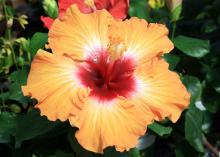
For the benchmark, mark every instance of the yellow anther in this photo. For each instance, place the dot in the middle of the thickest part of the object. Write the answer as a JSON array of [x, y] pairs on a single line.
[[116, 49]]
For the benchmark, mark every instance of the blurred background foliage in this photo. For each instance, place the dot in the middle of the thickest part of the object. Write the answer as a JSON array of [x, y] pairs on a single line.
[[195, 30]]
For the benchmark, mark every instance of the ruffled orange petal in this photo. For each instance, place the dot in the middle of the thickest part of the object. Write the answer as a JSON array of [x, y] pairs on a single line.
[[77, 34], [52, 82], [160, 90], [143, 40], [115, 124]]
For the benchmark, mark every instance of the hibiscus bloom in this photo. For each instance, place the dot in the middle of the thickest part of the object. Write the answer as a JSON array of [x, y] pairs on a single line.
[[106, 77], [118, 8]]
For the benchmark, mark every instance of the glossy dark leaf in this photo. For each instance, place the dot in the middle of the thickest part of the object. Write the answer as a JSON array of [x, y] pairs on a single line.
[[160, 129], [173, 60], [192, 46], [193, 128]]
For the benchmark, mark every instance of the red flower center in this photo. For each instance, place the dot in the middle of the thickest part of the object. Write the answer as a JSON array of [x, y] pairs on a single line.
[[106, 78]]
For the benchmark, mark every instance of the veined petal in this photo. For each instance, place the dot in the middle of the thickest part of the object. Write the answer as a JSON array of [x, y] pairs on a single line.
[[116, 124], [143, 40], [78, 34], [160, 90], [52, 82]]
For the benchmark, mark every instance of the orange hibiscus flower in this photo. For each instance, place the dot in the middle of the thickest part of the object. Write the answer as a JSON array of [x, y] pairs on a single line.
[[107, 78], [118, 8]]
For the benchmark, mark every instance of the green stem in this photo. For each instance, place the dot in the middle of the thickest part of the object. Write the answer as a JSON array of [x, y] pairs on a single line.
[[14, 57], [173, 30], [8, 34], [8, 31]]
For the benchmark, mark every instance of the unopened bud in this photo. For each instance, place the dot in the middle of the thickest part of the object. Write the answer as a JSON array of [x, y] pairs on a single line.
[[1, 17], [9, 23], [156, 4], [15, 108], [172, 4]]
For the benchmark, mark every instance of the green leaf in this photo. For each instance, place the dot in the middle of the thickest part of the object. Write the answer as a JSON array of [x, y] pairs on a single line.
[[7, 123], [192, 46], [213, 76], [32, 125], [133, 153], [183, 149], [207, 122], [193, 128], [160, 129], [139, 9], [9, 11], [4, 96], [19, 76], [15, 92], [51, 8], [37, 42], [194, 87], [111, 152], [173, 60]]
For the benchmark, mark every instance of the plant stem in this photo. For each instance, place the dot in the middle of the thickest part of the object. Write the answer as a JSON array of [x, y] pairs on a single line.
[[210, 147], [173, 30], [8, 34]]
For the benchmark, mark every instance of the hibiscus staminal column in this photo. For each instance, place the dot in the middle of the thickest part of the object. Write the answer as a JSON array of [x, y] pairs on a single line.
[[107, 77]]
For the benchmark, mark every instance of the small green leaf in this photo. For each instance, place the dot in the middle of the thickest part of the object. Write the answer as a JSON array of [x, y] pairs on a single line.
[[160, 129], [173, 60], [37, 42], [51, 8], [193, 128], [192, 46]]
